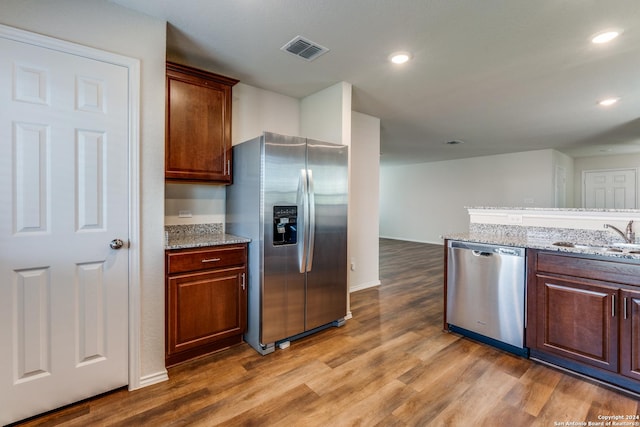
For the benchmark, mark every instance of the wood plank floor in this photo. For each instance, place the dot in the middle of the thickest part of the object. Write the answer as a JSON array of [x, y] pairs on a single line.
[[391, 365]]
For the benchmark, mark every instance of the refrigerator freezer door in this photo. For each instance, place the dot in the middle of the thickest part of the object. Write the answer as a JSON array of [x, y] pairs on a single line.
[[327, 276], [283, 287]]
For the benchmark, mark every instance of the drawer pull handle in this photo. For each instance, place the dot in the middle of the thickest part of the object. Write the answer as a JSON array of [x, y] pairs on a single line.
[[626, 316], [613, 305], [211, 260]]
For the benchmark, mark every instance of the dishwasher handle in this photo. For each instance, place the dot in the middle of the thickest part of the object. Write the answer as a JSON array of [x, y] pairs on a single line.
[[481, 253]]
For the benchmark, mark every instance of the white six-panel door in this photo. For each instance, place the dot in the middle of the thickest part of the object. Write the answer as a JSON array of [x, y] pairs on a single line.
[[63, 198], [610, 189]]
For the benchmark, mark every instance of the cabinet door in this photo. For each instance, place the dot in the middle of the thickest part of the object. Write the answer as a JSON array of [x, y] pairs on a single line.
[[205, 307], [630, 334], [576, 320], [198, 128]]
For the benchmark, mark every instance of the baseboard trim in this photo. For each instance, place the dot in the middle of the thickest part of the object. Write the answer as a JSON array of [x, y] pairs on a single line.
[[152, 379], [586, 377], [405, 239], [362, 286]]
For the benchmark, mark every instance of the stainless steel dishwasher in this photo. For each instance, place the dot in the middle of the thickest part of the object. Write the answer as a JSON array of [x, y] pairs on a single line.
[[486, 293]]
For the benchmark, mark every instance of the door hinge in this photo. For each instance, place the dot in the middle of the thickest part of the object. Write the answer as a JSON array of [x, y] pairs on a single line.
[[243, 282]]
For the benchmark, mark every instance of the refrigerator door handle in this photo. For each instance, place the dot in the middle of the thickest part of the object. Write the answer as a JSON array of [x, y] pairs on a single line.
[[302, 202], [312, 219]]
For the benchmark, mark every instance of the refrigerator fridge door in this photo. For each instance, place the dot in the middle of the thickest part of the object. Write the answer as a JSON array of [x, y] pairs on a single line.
[[327, 255], [282, 300]]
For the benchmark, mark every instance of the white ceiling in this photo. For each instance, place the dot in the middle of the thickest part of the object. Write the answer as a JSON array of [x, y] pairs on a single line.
[[501, 75]]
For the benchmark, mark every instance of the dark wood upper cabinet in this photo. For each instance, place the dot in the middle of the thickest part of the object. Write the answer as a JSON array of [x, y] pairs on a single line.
[[198, 125]]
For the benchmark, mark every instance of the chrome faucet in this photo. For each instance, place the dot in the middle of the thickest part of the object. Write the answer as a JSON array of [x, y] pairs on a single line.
[[629, 236]]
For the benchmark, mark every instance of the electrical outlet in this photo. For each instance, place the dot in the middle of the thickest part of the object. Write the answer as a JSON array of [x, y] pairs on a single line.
[[514, 219]]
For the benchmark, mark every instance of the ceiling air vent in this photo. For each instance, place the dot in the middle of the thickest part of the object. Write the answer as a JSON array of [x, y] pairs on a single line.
[[304, 48]]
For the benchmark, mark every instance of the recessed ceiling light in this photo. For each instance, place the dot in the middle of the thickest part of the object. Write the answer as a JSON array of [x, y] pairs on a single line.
[[607, 102], [399, 57], [605, 37]]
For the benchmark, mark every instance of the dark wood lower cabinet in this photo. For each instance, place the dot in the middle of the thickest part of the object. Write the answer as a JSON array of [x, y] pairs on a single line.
[[630, 334], [206, 301], [575, 321], [584, 314]]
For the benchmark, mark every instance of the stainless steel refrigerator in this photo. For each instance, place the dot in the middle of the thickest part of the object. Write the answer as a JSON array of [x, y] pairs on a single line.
[[289, 195]]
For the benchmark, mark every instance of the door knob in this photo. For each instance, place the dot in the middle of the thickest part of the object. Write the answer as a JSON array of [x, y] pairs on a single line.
[[116, 244]]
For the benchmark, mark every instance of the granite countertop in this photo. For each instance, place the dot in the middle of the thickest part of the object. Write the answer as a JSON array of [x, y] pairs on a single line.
[[199, 235], [533, 241], [492, 239], [534, 209], [185, 241]]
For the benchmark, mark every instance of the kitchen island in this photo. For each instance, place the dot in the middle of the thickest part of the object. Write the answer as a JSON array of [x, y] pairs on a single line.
[[582, 288]]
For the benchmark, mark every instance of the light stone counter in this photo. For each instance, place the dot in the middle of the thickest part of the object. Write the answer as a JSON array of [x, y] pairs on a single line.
[[597, 242], [198, 235]]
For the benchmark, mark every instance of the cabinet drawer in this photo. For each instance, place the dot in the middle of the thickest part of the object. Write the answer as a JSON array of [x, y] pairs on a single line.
[[184, 260], [619, 271]]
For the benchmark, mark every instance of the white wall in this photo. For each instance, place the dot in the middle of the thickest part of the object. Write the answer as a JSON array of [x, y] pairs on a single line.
[[105, 26], [581, 164], [254, 111], [326, 115], [421, 202], [564, 198], [206, 203], [257, 110], [364, 199]]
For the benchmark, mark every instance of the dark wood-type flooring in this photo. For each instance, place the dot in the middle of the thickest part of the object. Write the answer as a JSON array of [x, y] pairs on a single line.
[[391, 365]]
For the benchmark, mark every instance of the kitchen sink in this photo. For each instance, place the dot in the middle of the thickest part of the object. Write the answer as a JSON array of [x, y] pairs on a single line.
[[580, 246], [629, 248]]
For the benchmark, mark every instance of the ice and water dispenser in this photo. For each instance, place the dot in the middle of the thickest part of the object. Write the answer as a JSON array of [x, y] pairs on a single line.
[[285, 225]]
